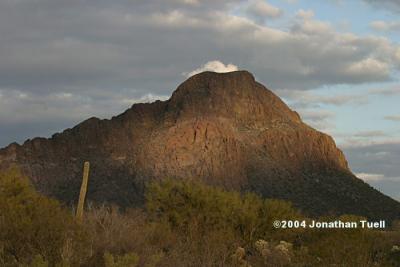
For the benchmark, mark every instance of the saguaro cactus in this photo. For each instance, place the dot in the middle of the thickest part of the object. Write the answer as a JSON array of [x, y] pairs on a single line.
[[82, 194]]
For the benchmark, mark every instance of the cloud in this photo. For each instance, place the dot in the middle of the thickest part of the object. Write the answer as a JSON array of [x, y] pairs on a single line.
[[388, 91], [305, 14], [392, 118], [25, 115], [379, 157], [379, 25], [314, 99], [186, 5], [368, 65], [215, 66], [310, 98], [316, 115], [383, 26], [392, 5], [104, 54], [318, 118], [369, 134], [22, 107], [374, 177], [377, 164], [120, 44], [352, 141], [367, 177], [260, 9]]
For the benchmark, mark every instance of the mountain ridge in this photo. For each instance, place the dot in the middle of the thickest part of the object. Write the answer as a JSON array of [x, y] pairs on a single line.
[[225, 129]]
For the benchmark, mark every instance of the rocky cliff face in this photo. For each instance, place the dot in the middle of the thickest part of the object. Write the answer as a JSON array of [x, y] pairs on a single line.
[[225, 129]]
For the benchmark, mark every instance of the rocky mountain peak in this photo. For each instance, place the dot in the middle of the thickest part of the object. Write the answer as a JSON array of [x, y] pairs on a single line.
[[234, 95], [223, 129]]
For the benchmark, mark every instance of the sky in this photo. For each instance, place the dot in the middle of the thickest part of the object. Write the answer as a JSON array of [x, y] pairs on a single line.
[[335, 62]]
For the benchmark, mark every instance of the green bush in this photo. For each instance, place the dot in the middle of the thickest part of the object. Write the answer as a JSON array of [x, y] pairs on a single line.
[[185, 203], [32, 225], [184, 224], [127, 260]]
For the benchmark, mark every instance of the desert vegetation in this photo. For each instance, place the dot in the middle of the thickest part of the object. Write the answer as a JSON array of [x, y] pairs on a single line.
[[183, 223]]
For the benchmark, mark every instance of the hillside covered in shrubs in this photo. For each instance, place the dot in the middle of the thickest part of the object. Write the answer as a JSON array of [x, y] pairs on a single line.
[[183, 223]]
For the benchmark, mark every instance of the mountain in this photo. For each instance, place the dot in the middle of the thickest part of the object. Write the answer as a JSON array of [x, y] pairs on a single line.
[[225, 129]]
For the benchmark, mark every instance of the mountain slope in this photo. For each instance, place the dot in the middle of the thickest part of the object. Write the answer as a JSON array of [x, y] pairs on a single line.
[[225, 129]]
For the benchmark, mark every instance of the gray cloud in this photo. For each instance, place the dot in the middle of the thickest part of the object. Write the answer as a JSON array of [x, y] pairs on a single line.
[[302, 99], [377, 164], [392, 5], [318, 118], [369, 134], [261, 10], [310, 104], [25, 115], [48, 43], [64, 61], [390, 91], [312, 99]]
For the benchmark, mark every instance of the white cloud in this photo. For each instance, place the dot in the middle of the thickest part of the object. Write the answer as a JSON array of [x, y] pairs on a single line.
[[148, 98], [215, 65], [368, 177], [374, 177]]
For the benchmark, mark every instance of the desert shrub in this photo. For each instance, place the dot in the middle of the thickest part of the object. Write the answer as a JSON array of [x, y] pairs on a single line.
[[200, 212], [184, 224], [185, 203], [211, 223], [273, 255], [33, 225], [389, 246], [155, 242], [38, 261], [120, 233], [239, 258], [342, 247], [127, 260]]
